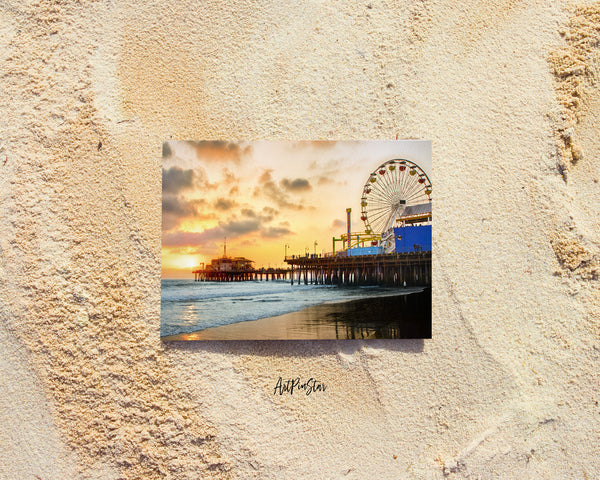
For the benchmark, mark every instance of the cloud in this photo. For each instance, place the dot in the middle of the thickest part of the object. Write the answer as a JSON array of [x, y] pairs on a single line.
[[337, 223], [248, 212], [265, 177], [250, 223], [224, 204], [179, 206], [231, 229], [324, 180], [220, 151], [328, 171], [275, 232], [268, 188], [169, 222], [176, 179], [188, 250], [236, 228], [175, 209], [194, 239], [266, 215], [229, 177], [250, 242], [270, 211], [296, 185]]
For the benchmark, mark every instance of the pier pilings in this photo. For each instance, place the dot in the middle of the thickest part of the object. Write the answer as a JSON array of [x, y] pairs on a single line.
[[208, 275]]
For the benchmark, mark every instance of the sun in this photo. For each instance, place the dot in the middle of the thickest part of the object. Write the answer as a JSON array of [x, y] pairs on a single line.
[[191, 261], [181, 261]]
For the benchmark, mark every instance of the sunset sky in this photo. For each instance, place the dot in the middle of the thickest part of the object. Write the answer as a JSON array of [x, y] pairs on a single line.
[[264, 195]]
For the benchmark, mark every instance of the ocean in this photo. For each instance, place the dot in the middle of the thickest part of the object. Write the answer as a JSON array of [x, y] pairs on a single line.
[[188, 306]]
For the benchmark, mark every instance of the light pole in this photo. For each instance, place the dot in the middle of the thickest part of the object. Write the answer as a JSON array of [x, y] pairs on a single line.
[[286, 246], [316, 248]]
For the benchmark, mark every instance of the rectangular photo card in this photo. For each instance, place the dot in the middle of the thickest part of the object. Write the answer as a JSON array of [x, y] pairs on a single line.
[[298, 240]]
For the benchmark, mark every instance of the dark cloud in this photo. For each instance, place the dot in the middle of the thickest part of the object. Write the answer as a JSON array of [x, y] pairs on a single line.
[[234, 191], [220, 151], [169, 222], [166, 150], [337, 223], [179, 206], [270, 211], [268, 188], [224, 204], [231, 229], [275, 232], [175, 209], [175, 179], [266, 215], [248, 212], [296, 185], [236, 228], [249, 223]]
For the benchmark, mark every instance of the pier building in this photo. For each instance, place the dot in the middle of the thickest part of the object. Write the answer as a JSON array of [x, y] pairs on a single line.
[[236, 269]]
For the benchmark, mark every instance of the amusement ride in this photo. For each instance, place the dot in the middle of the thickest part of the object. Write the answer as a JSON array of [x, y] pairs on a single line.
[[396, 195]]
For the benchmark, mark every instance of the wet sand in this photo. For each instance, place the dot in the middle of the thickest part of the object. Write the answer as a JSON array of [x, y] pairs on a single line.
[[394, 316]]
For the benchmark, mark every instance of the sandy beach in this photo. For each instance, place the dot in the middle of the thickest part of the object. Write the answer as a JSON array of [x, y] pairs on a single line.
[[391, 317], [508, 92]]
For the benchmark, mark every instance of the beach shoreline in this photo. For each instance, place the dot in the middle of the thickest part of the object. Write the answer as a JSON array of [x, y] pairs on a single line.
[[403, 315]]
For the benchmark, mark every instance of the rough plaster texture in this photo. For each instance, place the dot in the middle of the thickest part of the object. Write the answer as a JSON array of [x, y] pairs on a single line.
[[507, 91]]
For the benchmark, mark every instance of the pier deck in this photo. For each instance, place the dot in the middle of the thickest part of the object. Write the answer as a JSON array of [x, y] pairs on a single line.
[[397, 269]]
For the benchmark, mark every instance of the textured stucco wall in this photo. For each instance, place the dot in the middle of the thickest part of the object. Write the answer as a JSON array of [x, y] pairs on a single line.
[[507, 91]]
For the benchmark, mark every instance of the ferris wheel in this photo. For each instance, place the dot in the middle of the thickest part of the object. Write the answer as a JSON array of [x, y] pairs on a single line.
[[390, 189]]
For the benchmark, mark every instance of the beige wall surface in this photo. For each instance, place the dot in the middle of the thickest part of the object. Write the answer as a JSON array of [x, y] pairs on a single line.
[[508, 93]]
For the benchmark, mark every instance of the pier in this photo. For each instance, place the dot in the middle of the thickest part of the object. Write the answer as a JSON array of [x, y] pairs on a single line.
[[396, 269], [392, 269], [242, 275]]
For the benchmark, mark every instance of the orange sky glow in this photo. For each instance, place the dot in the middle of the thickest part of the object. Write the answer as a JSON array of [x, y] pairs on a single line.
[[265, 195]]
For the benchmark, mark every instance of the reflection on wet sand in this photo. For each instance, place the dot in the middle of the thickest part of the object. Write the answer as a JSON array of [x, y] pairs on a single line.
[[391, 317]]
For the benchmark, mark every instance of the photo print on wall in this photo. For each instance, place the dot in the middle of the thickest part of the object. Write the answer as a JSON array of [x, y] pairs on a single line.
[[272, 240]]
